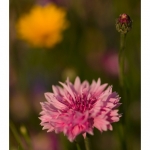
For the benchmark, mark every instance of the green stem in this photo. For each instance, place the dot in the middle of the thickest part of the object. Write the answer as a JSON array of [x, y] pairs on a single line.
[[123, 90], [122, 137], [28, 141], [121, 59], [26, 136], [16, 135], [87, 143], [77, 145]]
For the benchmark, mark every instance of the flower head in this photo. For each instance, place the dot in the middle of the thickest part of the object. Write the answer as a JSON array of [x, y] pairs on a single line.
[[124, 23], [79, 107], [43, 26]]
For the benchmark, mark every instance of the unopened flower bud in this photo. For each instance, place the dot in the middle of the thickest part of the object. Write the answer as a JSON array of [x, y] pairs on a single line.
[[123, 23]]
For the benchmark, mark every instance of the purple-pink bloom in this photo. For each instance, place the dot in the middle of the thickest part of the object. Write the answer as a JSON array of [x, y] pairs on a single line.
[[77, 108]]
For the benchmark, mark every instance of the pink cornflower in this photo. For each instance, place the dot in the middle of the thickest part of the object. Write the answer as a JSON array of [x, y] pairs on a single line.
[[77, 108]]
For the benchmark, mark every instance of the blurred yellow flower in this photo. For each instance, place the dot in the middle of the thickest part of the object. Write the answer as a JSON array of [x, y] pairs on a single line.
[[43, 26]]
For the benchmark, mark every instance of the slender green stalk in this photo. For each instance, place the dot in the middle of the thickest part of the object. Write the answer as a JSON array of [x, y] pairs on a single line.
[[122, 70], [122, 137], [16, 135], [87, 143], [121, 59], [26, 136], [77, 145], [123, 89]]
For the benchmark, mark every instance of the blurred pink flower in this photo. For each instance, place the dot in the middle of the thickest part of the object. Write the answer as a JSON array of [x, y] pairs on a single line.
[[42, 141], [79, 107], [110, 63], [106, 62]]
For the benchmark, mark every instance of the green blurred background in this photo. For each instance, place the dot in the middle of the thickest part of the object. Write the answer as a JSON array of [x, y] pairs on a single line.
[[89, 49]]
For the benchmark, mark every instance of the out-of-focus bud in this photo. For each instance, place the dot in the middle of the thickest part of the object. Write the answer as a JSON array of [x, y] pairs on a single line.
[[23, 130], [123, 23]]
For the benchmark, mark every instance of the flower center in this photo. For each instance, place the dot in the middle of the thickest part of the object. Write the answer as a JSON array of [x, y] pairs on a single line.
[[82, 103]]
